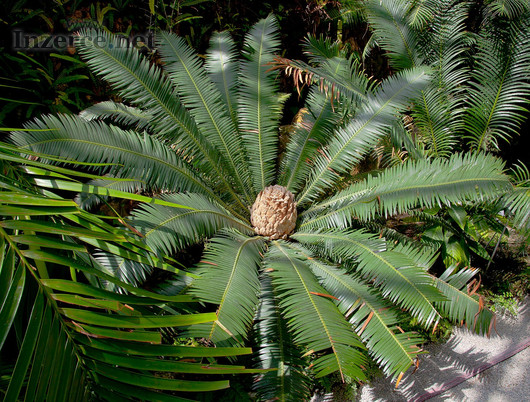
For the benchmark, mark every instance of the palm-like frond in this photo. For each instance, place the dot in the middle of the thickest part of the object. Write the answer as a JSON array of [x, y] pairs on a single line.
[[507, 8], [420, 183], [118, 113], [438, 110], [336, 76], [461, 304], [311, 133], [259, 107], [497, 96], [323, 328], [372, 317], [278, 351], [228, 277], [126, 153], [222, 65], [390, 23], [401, 280], [355, 139], [205, 104], [146, 86], [169, 229]]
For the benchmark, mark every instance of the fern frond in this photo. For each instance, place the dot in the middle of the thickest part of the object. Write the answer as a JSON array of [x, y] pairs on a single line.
[[322, 328], [311, 133], [499, 89], [118, 113], [425, 183], [278, 350], [206, 105], [401, 280], [228, 277], [259, 107], [168, 229], [372, 317], [130, 154], [222, 66], [461, 304], [146, 86], [354, 140], [389, 21]]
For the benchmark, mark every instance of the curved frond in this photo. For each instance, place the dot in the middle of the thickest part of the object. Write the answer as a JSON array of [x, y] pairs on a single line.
[[206, 105], [511, 9], [372, 317], [168, 229], [463, 304], [354, 140], [147, 87], [311, 133], [401, 280], [278, 351], [131, 154], [259, 105], [79, 338], [322, 328], [389, 21], [438, 112], [222, 66], [420, 183], [118, 113], [228, 276], [499, 89], [518, 203]]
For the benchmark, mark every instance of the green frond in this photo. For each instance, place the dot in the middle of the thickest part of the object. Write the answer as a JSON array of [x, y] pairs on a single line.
[[510, 9], [222, 65], [311, 133], [146, 86], [389, 21], [166, 229], [89, 200], [461, 304], [438, 111], [318, 50], [424, 183], [259, 108], [322, 328], [372, 317], [118, 113], [401, 280], [143, 85], [421, 13], [205, 104], [277, 350], [228, 277], [499, 90], [518, 203], [351, 142], [129, 154], [338, 77]]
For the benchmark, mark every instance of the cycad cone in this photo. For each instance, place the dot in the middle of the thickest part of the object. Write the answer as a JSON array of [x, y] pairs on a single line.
[[274, 212]]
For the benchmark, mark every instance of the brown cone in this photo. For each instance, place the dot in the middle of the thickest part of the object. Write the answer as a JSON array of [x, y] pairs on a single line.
[[274, 212]]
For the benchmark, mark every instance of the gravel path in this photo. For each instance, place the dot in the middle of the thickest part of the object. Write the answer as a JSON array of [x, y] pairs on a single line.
[[507, 381]]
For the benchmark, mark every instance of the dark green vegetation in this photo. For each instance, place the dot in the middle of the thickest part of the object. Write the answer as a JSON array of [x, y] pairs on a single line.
[[399, 186]]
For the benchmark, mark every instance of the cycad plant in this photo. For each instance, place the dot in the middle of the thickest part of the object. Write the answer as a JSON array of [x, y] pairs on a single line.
[[282, 247]]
